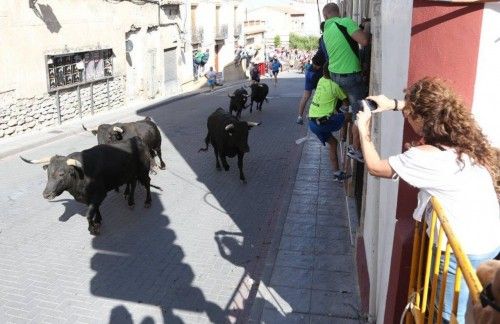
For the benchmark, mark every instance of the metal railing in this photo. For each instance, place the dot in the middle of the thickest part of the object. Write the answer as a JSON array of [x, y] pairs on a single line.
[[197, 36], [423, 289], [221, 32]]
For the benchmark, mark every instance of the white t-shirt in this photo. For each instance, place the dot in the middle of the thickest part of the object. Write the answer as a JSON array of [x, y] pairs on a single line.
[[465, 192]]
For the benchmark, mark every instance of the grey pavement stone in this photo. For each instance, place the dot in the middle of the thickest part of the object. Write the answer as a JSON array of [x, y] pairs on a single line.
[[328, 246], [332, 232], [318, 319], [297, 299], [295, 259], [334, 281], [292, 277], [299, 229], [328, 262], [297, 243], [334, 304], [274, 317]]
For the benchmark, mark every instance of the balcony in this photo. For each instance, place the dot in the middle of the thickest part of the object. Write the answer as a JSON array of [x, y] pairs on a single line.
[[197, 36], [221, 32]]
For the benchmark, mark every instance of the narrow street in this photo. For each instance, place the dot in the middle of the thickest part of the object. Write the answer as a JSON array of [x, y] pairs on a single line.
[[189, 258]]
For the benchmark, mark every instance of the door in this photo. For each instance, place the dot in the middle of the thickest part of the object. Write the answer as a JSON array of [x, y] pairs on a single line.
[[170, 70]]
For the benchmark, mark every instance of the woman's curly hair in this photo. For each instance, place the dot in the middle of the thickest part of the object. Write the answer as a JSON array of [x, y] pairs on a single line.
[[447, 122]]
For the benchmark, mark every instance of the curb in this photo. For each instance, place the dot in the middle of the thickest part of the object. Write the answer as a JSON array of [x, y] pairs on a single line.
[[28, 141]]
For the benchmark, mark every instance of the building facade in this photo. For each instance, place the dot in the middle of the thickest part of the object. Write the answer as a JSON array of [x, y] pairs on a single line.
[[425, 38], [62, 60]]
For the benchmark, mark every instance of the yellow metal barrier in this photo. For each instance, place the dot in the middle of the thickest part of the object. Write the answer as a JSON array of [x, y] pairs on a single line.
[[423, 290]]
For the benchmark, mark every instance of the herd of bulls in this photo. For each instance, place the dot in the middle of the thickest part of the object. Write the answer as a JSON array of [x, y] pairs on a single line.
[[126, 154]]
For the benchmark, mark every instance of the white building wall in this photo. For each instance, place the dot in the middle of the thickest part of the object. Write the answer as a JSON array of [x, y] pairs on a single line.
[[390, 59], [486, 105]]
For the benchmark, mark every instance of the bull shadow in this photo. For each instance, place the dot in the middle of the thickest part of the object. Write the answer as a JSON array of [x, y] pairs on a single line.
[[138, 261], [269, 167], [46, 14]]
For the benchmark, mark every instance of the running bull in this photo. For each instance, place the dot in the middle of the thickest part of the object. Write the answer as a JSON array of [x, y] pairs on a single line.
[[259, 94], [229, 137], [238, 101], [88, 175], [145, 129]]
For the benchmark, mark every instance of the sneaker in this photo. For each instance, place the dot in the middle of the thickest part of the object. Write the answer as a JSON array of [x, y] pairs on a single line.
[[340, 176], [300, 121], [355, 154]]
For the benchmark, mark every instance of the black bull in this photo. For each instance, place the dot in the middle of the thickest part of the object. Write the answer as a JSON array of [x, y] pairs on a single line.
[[88, 175], [229, 137], [259, 94], [145, 129], [238, 101]]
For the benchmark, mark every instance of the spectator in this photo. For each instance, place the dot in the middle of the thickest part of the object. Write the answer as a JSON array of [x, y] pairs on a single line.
[[324, 119], [341, 37], [211, 76], [456, 165], [204, 59], [488, 310], [254, 74], [197, 56], [276, 67]]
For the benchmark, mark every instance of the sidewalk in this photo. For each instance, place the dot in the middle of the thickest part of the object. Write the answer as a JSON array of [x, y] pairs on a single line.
[[309, 274], [19, 143]]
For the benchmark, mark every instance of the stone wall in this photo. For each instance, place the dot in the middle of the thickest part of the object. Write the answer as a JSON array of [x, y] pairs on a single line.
[[19, 115]]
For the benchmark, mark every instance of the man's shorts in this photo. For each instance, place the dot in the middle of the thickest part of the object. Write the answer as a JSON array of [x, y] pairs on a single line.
[[324, 132], [312, 78], [353, 86], [211, 82], [275, 73]]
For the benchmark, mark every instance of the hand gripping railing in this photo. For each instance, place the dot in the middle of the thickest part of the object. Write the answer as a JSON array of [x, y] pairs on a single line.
[[423, 286]]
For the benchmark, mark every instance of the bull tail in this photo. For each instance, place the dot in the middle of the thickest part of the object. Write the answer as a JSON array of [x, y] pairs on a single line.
[[207, 141], [156, 187]]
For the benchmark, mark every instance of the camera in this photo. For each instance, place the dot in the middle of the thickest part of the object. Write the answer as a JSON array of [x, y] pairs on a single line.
[[372, 105]]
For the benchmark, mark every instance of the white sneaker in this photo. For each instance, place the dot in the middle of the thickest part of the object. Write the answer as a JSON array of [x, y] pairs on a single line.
[[355, 154]]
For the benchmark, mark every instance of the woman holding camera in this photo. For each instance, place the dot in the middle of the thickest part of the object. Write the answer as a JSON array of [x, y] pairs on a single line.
[[455, 163]]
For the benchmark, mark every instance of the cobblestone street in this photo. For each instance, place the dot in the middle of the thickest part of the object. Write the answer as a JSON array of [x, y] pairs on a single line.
[[192, 257]]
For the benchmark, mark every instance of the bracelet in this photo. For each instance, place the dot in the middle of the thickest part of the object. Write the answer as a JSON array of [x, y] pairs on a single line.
[[396, 105]]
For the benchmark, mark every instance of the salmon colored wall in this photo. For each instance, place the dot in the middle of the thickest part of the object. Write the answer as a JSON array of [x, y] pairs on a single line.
[[444, 43]]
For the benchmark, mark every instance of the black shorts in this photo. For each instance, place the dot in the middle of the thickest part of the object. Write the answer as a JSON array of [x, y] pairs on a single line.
[[275, 73]]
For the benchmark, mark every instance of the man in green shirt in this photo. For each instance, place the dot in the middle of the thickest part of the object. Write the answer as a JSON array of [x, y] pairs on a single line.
[[325, 119], [341, 37]]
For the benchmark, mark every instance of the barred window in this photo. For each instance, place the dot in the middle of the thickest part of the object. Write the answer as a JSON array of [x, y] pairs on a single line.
[[69, 70]]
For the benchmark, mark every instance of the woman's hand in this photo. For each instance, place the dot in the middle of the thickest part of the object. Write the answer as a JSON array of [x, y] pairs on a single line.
[[383, 103], [363, 118]]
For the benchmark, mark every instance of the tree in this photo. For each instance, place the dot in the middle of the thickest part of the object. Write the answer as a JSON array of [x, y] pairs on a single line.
[[307, 43], [277, 41]]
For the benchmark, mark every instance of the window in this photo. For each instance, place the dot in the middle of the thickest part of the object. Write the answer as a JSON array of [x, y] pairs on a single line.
[[68, 70]]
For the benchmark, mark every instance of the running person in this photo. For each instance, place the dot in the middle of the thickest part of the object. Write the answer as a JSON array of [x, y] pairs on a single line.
[[276, 66]]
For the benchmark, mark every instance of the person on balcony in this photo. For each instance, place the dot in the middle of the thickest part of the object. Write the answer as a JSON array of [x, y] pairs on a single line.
[[453, 162]]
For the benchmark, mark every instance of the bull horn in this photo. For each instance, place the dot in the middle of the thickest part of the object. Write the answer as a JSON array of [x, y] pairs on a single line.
[[229, 95], [117, 129], [230, 126], [45, 160], [75, 163], [244, 95], [249, 123], [93, 130]]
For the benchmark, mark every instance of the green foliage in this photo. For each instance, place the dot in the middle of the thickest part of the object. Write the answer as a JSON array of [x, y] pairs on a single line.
[[277, 41], [306, 43]]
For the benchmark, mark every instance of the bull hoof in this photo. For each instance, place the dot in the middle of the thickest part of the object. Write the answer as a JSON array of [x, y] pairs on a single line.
[[162, 166], [95, 230], [131, 206], [147, 204], [244, 181], [226, 168], [218, 168]]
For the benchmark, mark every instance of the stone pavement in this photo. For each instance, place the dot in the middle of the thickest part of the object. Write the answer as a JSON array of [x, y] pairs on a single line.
[[310, 275], [197, 255]]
